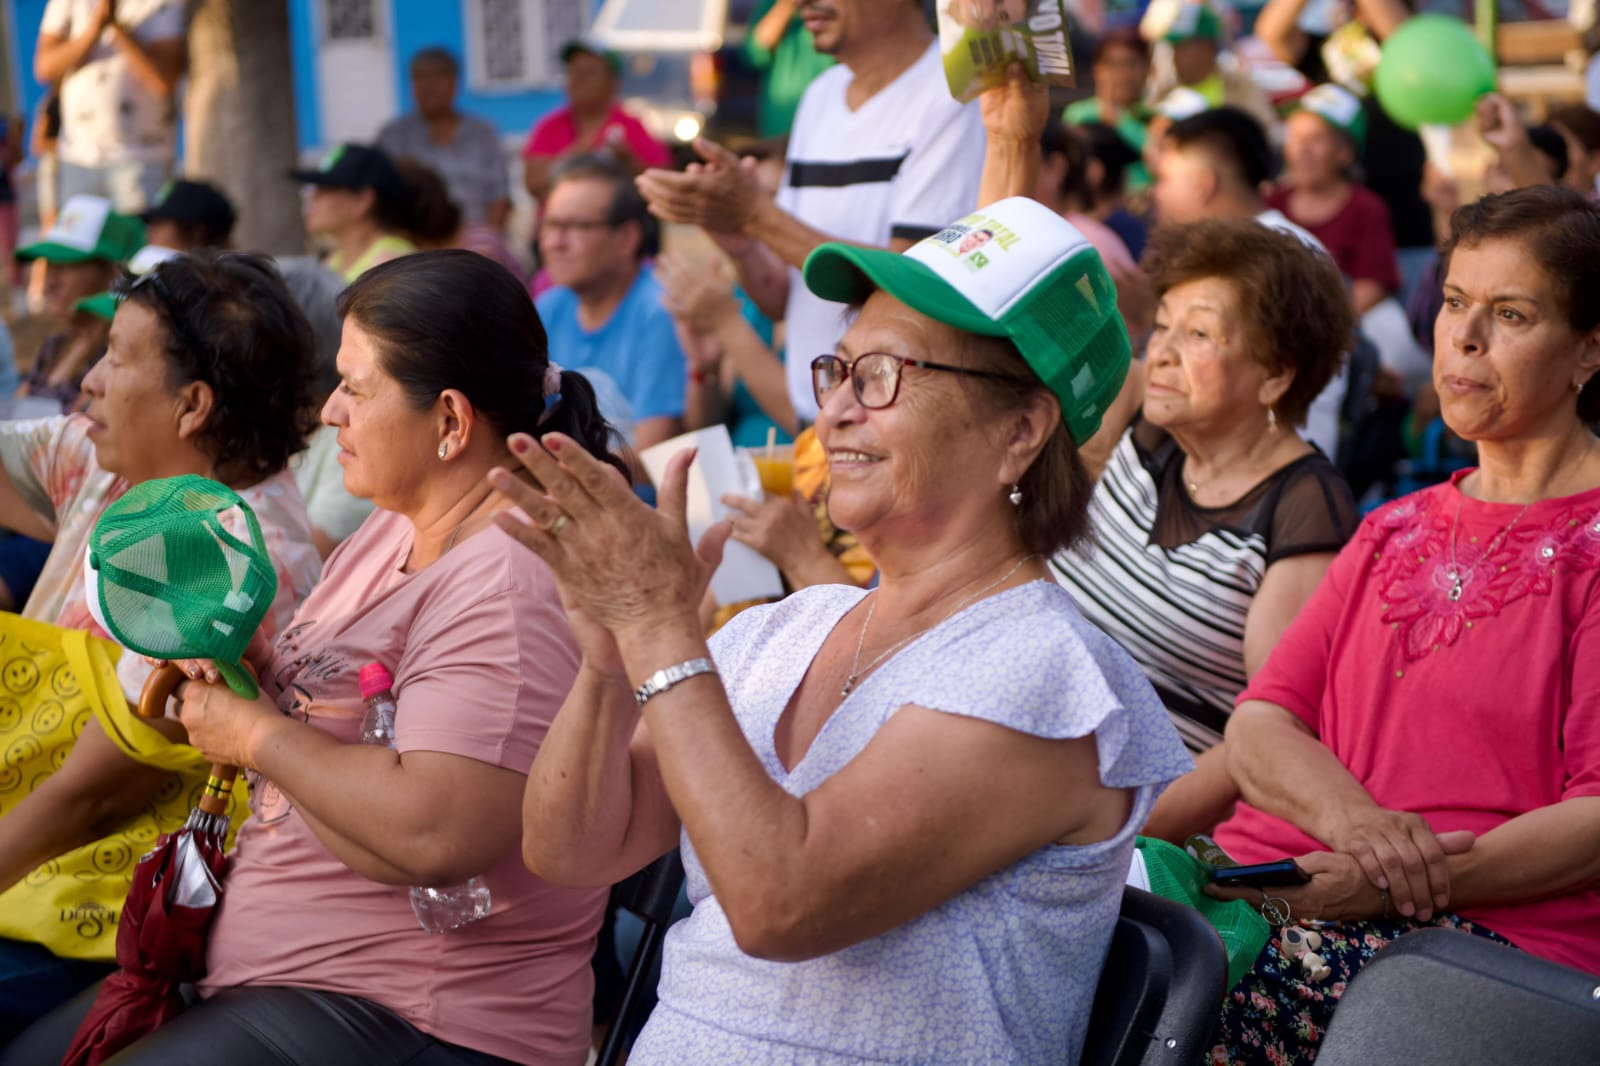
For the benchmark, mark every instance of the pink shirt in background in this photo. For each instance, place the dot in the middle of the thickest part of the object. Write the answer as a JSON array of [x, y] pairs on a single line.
[[482, 658], [1112, 248], [1467, 712], [1359, 236], [557, 132]]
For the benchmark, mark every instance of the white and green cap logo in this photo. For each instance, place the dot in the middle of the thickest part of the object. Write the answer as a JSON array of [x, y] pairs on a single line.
[[87, 228], [1339, 108], [1015, 269]]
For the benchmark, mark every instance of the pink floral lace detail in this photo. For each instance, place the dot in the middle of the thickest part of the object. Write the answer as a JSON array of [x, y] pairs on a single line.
[[1411, 565]]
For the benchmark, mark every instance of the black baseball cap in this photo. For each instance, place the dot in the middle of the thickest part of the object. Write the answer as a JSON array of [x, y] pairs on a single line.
[[355, 166], [194, 203]]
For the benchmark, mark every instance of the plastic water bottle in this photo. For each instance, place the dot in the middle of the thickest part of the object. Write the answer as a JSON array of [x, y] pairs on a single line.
[[377, 686], [438, 910]]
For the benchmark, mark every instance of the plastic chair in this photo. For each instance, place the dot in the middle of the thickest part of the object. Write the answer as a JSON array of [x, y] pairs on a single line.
[[1161, 991], [1439, 997], [650, 894]]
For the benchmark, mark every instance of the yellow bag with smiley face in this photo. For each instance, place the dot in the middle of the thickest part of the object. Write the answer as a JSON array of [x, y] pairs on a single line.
[[52, 681]]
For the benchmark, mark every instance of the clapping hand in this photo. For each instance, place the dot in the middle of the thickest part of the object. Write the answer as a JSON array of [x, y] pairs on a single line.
[[722, 194], [624, 566], [700, 298]]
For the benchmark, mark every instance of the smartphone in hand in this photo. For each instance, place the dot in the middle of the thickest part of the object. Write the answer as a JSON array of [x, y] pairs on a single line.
[[1260, 875]]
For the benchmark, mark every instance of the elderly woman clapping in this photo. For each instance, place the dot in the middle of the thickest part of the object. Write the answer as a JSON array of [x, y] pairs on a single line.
[[1426, 736], [1215, 519], [905, 814]]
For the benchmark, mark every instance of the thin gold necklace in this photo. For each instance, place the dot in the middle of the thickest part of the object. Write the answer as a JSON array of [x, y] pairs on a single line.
[[857, 671]]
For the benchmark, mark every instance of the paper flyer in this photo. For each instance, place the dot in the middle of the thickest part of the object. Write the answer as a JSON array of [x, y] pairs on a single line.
[[981, 38], [745, 574]]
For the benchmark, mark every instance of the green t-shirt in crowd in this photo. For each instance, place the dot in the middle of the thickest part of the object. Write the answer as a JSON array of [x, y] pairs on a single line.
[[786, 71]]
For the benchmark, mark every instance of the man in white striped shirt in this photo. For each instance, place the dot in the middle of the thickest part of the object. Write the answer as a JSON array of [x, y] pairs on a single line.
[[880, 155]]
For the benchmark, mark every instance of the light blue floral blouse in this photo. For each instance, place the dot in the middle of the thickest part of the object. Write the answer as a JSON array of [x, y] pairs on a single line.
[[1004, 972]]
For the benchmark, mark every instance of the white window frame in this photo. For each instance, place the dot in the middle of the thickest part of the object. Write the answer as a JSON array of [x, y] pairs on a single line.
[[541, 65], [380, 24], [707, 37]]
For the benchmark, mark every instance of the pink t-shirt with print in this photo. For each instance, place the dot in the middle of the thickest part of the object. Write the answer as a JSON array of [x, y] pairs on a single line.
[[482, 658], [1468, 712]]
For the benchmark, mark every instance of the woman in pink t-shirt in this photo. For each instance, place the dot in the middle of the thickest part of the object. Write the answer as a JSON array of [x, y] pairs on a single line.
[[1426, 736], [316, 954]]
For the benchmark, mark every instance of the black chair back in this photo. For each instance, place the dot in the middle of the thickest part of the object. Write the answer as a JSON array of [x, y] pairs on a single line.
[[650, 894], [1439, 997], [1161, 991]]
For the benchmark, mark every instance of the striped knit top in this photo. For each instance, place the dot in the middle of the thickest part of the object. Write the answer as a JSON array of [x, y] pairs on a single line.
[[1172, 582]]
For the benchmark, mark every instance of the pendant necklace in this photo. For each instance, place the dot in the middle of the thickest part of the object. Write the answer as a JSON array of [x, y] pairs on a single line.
[[1456, 575]]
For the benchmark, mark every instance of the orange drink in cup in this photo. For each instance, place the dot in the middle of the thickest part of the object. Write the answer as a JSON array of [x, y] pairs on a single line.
[[776, 467]]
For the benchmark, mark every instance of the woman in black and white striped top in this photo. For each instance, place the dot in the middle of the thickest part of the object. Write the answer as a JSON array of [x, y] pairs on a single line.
[[1214, 520]]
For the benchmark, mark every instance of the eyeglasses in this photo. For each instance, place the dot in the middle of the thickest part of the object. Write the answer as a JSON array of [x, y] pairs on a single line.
[[579, 225], [876, 376], [180, 323]]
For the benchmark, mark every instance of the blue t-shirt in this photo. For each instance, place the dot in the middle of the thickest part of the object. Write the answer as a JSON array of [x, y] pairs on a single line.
[[636, 347]]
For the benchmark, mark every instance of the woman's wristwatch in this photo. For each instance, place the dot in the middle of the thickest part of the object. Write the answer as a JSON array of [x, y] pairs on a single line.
[[668, 676]]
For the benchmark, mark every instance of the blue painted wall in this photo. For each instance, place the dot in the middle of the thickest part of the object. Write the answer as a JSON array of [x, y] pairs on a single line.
[[27, 14], [421, 23]]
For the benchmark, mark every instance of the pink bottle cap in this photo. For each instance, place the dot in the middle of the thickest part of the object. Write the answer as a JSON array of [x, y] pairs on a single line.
[[374, 678]]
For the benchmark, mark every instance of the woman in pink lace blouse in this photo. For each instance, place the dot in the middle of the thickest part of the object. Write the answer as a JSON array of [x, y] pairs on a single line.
[[1426, 736]]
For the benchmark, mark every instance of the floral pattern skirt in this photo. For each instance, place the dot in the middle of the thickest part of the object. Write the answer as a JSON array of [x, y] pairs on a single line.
[[1275, 1016]]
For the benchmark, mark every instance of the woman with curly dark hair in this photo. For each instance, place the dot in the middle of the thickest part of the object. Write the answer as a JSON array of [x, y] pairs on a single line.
[[207, 372], [1214, 519]]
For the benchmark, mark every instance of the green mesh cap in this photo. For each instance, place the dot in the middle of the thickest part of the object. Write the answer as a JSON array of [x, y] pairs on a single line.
[[170, 580], [1015, 269]]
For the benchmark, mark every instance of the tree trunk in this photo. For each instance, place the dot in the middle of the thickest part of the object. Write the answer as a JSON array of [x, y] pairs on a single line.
[[239, 129]]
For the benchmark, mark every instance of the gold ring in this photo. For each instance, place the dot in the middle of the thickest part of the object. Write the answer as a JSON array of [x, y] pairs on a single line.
[[557, 526]]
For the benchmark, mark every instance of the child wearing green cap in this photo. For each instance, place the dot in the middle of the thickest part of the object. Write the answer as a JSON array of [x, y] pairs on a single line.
[[1318, 190], [80, 252], [1195, 37]]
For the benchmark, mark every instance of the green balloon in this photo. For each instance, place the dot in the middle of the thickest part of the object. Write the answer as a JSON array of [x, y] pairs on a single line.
[[1433, 71]]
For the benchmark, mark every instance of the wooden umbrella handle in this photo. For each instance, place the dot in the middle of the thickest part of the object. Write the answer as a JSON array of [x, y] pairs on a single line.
[[158, 689]]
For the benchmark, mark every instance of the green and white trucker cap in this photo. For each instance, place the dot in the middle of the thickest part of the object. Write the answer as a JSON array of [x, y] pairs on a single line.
[[87, 228], [104, 304], [1014, 269], [167, 577], [1339, 108]]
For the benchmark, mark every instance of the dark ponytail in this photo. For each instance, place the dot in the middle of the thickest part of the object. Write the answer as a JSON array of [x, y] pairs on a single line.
[[577, 414], [454, 319]]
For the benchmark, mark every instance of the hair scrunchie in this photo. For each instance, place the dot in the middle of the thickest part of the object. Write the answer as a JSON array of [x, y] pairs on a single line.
[[552, 388]]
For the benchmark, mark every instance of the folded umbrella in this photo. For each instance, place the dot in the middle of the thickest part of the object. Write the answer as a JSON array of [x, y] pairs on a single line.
[[168, 579]]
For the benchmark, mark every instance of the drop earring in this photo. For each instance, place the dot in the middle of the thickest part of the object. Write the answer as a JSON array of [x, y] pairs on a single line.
[[1016, 496], [1272, 420], [444, 449]]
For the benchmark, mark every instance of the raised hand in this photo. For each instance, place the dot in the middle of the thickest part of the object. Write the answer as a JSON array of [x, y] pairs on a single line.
[[625, 565], [721, 195]]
